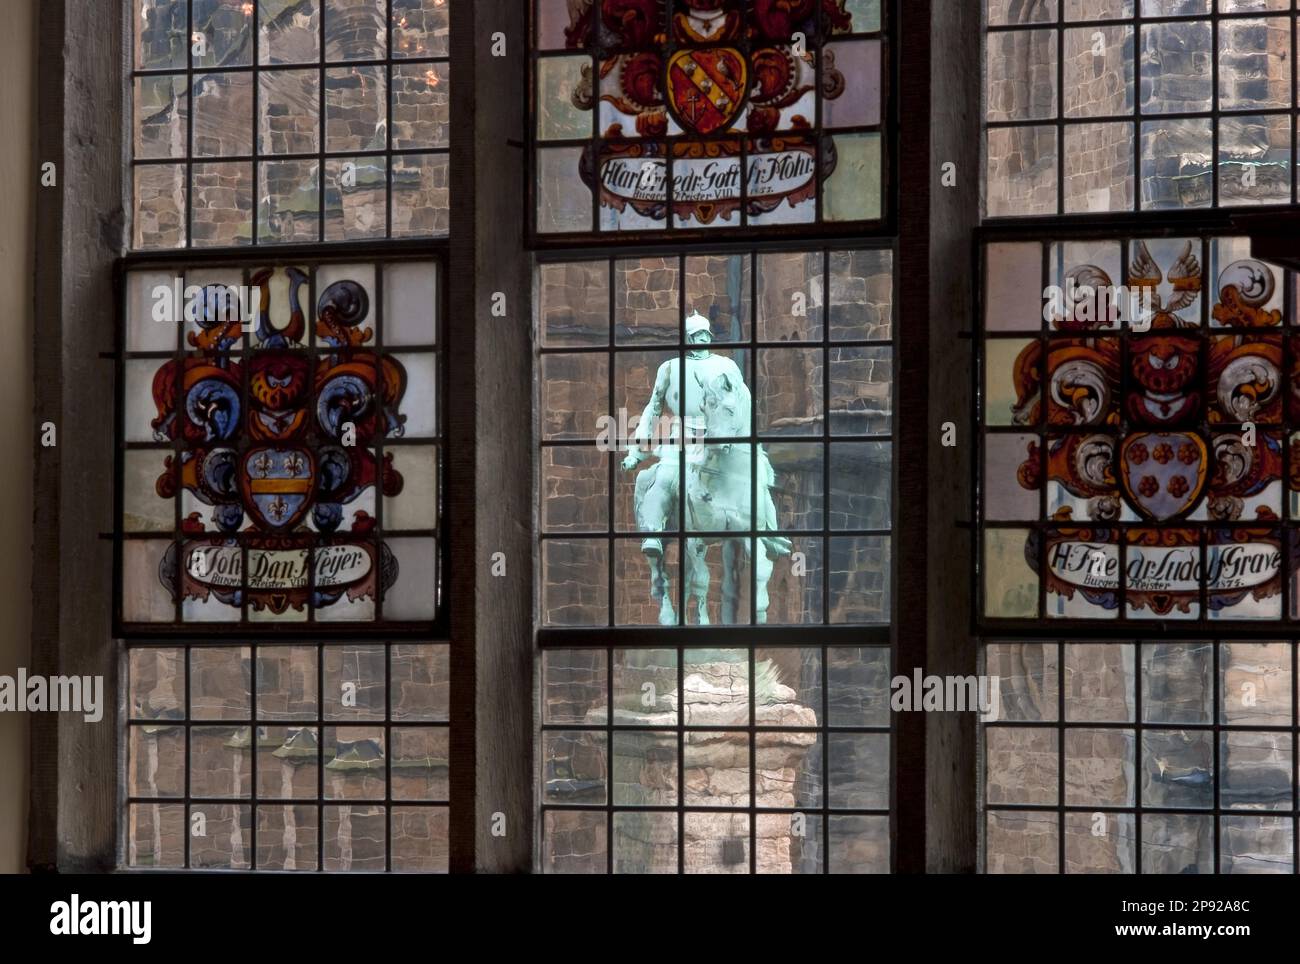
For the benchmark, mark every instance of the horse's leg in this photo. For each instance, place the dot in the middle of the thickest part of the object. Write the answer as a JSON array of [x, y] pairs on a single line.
[[762, 575], [698, 578], [654, 500], [658, 584], [659, 576], [660, 589], [766, 509], [730, 581]]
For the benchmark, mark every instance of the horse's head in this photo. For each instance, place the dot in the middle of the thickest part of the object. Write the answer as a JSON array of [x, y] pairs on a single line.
[[725, 403]]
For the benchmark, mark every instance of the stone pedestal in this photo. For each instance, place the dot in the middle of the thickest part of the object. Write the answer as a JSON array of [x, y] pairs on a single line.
[[715, 772]]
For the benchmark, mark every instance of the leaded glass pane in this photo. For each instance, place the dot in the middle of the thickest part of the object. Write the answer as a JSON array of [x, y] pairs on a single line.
[[282, 462], [1136, 432], [705, 116], [289, 121], [639, 529], [262, 749], [1164, 105]]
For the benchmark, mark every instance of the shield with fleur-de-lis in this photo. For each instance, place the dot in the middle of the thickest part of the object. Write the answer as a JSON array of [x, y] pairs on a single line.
[[1163, 473], [278, 485]]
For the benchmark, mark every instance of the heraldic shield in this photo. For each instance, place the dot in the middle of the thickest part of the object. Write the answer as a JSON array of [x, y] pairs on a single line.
[[1164, 473], [706, 88], [278, 485]]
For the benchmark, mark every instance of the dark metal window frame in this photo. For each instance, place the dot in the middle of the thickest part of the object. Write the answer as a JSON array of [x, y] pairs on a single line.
[[254, 161], [454, 622], [1215, 114], [815, 230]]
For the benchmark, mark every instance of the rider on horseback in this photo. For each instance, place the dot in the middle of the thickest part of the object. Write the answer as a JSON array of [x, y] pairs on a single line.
[[657, 489]]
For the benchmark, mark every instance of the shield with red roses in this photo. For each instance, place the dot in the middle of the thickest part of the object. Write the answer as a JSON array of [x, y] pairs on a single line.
[[1163, 473]]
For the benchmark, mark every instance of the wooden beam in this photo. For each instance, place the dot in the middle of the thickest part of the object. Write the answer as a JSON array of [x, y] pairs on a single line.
[[951, 797], [911, 602], [493, 481], [79, 236]]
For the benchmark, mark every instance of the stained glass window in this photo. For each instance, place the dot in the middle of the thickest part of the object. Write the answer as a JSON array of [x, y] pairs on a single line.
[[1136, 467], [664, 115], [1139, 105], [281, 447], [716, 452], [1138, 453], [268, 121], [1138, 457], [287, 758]]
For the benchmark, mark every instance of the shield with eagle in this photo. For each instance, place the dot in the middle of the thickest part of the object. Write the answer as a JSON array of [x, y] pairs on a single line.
[[706, 88], [278, 485]]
